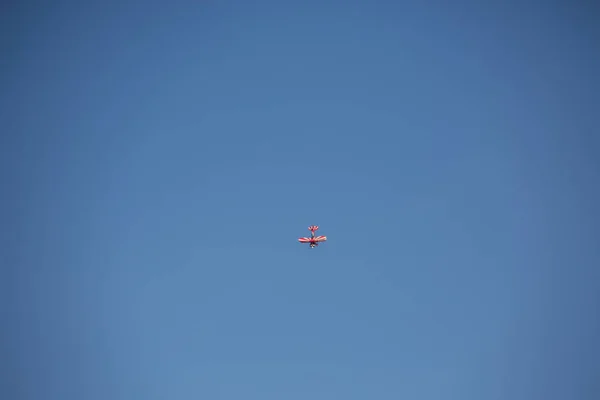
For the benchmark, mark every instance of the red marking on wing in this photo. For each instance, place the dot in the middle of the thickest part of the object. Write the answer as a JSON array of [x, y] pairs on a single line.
[[320, 238], [305, 240]]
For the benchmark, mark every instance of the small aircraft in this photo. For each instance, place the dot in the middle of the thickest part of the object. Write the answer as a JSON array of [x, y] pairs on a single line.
[[313, 240]]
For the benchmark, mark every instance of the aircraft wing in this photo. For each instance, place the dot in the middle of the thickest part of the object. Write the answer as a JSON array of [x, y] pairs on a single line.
[[305, 240], [320, 238]]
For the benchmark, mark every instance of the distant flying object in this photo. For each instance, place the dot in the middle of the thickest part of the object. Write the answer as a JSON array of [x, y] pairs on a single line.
[[313, 240]]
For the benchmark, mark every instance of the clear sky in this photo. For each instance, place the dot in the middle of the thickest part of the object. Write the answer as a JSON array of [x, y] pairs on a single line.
[[160, 160]]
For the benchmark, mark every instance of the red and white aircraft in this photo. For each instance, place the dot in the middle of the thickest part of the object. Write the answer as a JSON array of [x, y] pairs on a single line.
[[313, 240]]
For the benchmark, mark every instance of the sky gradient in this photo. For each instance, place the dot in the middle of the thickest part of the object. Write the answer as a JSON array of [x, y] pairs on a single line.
[[159, 161]]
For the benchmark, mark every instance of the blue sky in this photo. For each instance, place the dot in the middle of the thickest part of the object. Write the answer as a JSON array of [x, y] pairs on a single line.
[[159, 162]]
